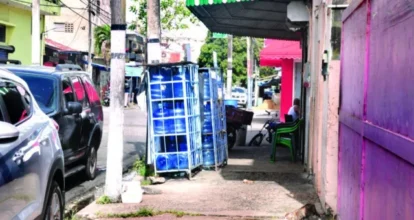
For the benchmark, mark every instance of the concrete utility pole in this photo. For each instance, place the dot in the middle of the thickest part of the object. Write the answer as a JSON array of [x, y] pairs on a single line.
[[36, 32], [229, 65], [89, 38], [113, 183], [154, 31], [250, 58]]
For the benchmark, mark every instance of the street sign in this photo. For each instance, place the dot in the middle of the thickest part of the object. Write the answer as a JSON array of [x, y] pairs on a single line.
[[219, 35]]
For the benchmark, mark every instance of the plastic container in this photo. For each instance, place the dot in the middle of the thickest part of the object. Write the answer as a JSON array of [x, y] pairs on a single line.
[[155, 76], [166, 74], [178, 90], [159, 127], [182, 161], [208, 157], [162, 162], [179, 109], [172, 162], [207, 125], [207, 142], [155, 92], [166, 90], [179, 125], [177, 73], [207, 109], [170, 144]]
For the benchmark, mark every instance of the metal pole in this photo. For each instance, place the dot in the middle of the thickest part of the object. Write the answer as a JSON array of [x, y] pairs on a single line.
[[89, 38], [249, 72], [229, 65], [36, 32]]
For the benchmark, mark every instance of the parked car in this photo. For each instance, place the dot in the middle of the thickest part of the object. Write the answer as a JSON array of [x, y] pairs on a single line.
[[68, 95], [31, 158], [240, 94]]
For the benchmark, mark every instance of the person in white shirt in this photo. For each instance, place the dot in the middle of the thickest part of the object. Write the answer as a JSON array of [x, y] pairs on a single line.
[[294, 111]]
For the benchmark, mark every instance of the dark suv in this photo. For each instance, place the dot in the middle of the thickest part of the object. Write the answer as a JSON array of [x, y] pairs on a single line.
[[70, 98]]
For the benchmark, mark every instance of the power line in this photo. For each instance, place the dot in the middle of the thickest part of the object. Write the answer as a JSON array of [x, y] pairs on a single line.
[[76, 33], [105, 16], [108, 15], [56, 6], [78, 14]]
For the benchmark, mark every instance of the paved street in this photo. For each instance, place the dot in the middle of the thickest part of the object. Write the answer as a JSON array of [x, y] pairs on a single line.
[[134, 146]]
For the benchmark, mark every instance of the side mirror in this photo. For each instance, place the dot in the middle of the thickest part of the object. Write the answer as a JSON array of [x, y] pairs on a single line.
[[8, 132], [74, 108]]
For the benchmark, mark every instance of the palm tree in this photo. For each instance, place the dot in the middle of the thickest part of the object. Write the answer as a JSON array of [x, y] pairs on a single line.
[[102, 35]]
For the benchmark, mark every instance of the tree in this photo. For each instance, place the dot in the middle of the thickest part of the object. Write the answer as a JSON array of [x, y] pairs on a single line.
[[174, 15], [239, 56], [102, 35]]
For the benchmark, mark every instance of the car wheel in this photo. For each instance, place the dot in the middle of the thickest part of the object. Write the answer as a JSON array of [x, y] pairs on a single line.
[[54, 209], [91, 162]]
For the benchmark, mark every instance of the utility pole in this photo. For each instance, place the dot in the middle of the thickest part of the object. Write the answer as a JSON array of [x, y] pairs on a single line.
[[89, 38], [113, 182], [36, 32], [229, 65], [154, 31], [250, 58]]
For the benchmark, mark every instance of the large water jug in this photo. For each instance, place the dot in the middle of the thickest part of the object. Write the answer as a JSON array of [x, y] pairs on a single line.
[[178, 90], [208, 157], [179, 108], [207, 125], [159, 127], [177, 73], [207, 109], [183, 161], [172, 162], [166, 74], [166, 90], [155, 92], [207, 142], [170, 144], [162, 162], [155, 76], [180, 125]]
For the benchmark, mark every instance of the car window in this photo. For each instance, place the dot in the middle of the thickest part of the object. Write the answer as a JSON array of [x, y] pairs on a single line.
[[79, 91], [17, 102], [43, 89], [90, 90], [68, 94]]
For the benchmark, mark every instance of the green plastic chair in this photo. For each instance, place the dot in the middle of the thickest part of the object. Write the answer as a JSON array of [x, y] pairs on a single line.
[[284, 135]]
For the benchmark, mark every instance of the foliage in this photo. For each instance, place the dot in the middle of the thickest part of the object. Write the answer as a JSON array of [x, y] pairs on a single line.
[[174, 15], [104, 200], [148, 212], [267, 71], [239, 56], [141, 168], [102, 34]]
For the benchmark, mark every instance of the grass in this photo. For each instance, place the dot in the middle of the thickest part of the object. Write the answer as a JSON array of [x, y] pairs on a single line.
[[103, 200], [145, 182], [146, 212], [142, 168]]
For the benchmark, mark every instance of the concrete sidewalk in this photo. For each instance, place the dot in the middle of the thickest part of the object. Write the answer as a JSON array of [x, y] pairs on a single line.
[[271, 189]]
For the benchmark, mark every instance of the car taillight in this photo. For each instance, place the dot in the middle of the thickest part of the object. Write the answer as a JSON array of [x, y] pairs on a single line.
[[55, 124]]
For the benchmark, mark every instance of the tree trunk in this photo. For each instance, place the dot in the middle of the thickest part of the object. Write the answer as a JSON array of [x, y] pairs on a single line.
[[113, 183], [154, 31]]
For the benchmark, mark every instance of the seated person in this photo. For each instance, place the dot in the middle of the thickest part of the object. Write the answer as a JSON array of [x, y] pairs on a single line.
[[294, 111]]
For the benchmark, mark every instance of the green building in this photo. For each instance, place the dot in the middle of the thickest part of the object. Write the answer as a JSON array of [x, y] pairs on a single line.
[[16, 27]]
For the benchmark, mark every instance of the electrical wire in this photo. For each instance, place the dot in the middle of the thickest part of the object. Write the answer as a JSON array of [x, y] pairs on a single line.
[[108, 15], [108, 18], [76, 33], [48, 5], [78, 14]]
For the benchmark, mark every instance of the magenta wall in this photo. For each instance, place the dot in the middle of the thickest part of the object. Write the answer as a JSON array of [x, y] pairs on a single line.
[[286, 96], [376, 138]]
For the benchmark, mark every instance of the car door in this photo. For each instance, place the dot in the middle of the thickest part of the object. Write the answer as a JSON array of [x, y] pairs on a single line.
[[20, 162], [86, 115], [70, 125]]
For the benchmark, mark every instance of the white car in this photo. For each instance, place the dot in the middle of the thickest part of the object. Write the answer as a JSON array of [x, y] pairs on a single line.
[[240, 94], [32, 180]]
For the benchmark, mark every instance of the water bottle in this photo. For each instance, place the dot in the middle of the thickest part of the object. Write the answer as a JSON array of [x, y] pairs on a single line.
[[171, 144], [158, 127], [161, 162], [208, 157], [183, 161], [166, 74], [178, 90], [172, 162], [180, 125], [179, 108], [207, 142]]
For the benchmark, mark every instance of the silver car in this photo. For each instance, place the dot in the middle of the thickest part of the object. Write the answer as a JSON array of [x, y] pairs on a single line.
[[31, 158]]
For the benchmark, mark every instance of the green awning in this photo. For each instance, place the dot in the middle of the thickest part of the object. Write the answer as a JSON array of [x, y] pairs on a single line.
[[254, 18]]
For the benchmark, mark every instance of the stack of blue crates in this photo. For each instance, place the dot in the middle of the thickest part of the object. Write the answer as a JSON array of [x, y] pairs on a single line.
[[213, 146], [174, 111], [223, 150]]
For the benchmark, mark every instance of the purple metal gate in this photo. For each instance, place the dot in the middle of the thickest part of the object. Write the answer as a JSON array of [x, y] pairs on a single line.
[[376, 140]]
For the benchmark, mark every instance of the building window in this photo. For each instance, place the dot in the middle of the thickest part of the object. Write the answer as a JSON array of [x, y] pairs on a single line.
[[59, 27], [2, 33], [69, 27]]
